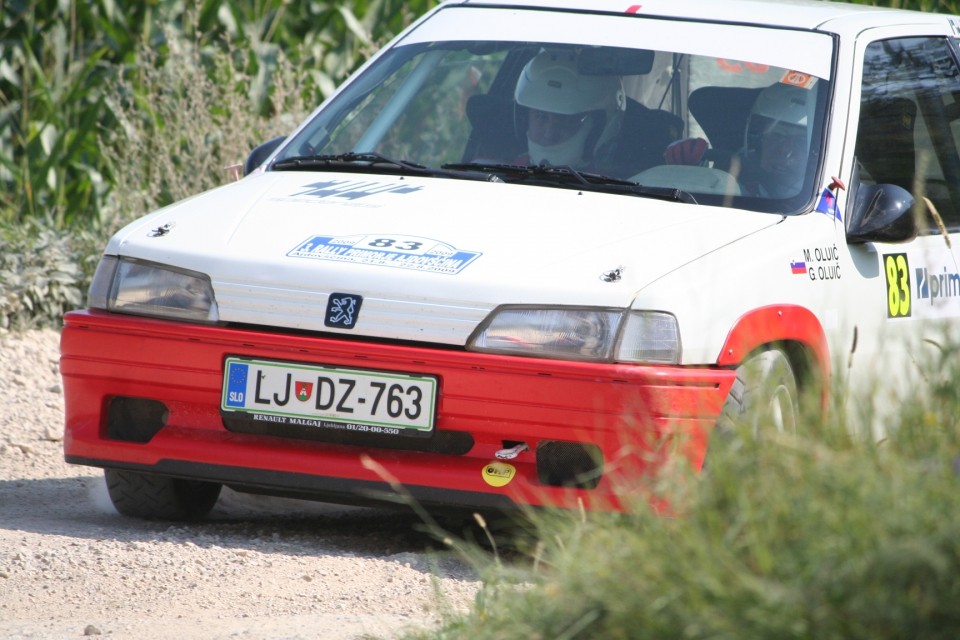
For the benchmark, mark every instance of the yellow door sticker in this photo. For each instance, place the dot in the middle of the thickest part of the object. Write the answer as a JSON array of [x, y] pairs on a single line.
[[898, 285], [498, 474]]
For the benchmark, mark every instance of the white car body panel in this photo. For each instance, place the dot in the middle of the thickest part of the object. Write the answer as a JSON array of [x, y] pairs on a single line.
[[238, 243], [725, 261]]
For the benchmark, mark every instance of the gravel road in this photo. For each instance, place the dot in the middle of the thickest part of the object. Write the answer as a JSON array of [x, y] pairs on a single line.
[[71, 567]]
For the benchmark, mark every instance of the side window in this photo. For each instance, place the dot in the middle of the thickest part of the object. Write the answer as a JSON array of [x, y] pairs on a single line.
[[909, 132]]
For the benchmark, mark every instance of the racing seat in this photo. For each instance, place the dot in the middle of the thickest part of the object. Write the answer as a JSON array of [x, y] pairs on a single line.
[[722, 113], [644, 136]]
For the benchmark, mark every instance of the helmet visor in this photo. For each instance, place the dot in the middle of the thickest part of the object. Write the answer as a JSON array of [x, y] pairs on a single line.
[[548, 129]]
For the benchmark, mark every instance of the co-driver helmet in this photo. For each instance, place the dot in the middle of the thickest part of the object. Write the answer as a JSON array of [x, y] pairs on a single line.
[[784, 111]]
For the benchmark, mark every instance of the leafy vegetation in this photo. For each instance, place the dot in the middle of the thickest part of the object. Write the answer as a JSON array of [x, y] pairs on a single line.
[[111, 108], [42, 272], [823, 535]]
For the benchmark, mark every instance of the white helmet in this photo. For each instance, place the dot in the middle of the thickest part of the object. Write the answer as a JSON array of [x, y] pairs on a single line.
[[785, 110], [550, 82], [780, 104]]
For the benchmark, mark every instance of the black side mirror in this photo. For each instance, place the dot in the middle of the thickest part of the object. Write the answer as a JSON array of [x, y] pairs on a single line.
[[882, 213], [261, 153]]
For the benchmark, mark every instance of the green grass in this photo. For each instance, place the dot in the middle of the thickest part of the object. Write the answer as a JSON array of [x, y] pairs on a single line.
[[816, 536]]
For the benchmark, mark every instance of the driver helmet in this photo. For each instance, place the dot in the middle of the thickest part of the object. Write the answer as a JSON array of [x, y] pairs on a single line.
[[778, 136], [572, 115]]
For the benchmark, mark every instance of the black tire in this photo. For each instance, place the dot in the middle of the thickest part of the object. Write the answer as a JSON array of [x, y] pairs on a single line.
[[763, 397], [153, 497]]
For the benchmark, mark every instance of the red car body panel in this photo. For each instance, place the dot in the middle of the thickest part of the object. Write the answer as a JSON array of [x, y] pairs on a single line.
[[635, 416]]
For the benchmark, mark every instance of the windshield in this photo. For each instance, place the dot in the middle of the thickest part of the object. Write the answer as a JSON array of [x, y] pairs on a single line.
[[733, 121]]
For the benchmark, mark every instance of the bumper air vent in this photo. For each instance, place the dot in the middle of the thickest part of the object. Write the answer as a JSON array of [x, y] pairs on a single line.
[[569, 464], [135, 419]]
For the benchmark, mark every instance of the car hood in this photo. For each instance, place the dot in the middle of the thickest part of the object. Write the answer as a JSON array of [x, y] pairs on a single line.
[[429, 256]]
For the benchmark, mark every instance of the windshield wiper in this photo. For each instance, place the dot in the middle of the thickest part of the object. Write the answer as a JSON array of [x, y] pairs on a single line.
[[340, 159], [570, 177], [372, 161]]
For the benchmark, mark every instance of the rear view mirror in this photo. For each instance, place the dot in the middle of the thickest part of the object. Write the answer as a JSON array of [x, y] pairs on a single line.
[[614, 61], [882, 213]]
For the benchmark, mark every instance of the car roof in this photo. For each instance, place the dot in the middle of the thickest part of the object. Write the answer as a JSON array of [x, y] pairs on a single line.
[[821, 15]]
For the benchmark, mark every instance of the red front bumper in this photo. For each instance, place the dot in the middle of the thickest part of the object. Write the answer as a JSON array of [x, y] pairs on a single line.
[[634, 417]]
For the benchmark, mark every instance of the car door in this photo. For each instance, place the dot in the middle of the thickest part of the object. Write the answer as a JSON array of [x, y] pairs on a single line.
[[908, 135]]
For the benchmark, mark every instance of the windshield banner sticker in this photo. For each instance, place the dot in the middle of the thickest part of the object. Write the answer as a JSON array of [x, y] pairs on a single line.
[[387, 250]]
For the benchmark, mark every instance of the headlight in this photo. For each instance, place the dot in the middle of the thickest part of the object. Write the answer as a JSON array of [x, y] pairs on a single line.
[[145, 288], [580, 333]]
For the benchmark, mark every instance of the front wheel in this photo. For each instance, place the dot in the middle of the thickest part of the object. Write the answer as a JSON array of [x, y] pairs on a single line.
[[763, 397], [153, 497]]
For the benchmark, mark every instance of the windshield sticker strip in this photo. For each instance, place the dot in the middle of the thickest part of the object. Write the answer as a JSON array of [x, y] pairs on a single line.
[[387, 250]]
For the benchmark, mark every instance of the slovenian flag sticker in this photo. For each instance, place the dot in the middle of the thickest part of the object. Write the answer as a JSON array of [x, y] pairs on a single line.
[[798, 266], [828, 205]]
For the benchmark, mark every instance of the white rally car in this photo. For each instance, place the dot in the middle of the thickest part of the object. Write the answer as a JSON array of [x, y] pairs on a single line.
[[532, 251]]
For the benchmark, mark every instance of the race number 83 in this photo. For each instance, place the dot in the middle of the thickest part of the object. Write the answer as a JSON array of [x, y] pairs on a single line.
[[898, 285]]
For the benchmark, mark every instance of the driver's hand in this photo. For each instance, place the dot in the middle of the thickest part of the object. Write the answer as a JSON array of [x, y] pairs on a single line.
[[686, 151]]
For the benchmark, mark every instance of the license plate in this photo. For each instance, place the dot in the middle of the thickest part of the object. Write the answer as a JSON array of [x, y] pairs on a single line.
[[329, 397]]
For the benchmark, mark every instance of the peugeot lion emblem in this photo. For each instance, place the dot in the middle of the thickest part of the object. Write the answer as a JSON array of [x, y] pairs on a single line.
[[342, 310]]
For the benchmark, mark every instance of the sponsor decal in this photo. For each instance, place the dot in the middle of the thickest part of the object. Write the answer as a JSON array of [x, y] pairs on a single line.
[[498, 474], [925, 291], [342, 310], [934, 286], [799, 79], [387, 250], [353, 189]]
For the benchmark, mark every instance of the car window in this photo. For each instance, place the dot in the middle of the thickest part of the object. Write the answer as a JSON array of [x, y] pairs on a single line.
[[698, 117], [909, 132], [418, 112]]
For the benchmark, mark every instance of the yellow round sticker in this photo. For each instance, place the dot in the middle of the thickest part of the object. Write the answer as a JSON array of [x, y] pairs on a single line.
[[498, 474]]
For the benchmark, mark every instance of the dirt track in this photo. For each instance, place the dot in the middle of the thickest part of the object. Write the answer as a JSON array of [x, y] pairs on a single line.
[[257, 568]]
